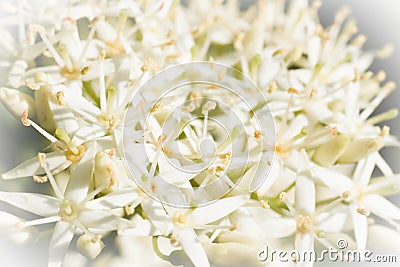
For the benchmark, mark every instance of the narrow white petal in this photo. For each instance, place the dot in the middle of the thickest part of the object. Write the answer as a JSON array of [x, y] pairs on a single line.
[[305, 188], [157, 215], [383, 239], [336, 182], [120, 198], [278, 227], [64, 118], [217, 210], [305, 195], [192, 247], [381, 206], [142, 227], [103, 220], [332, 221], [41, 205], [304, 243], [363, 171], [232, 254], [59, 243], [81, 175], [82, 106], [88, 133], [32, 167], [9, 226], [360, 227]]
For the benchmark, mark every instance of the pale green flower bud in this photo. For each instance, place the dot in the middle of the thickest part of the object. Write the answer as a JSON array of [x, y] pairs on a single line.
[[360, 148], [17, 102], [44, 114], [327, 154], [105, 173], [90, 246]]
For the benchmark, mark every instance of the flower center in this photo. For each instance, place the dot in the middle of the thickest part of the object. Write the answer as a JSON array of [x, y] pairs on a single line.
[[304, 224], [75, 154], [181, 218], [110, 121], [69, 211], [70, 74]]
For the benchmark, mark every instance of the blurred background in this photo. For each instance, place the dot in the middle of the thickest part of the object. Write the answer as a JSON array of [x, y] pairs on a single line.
[[378, 20]]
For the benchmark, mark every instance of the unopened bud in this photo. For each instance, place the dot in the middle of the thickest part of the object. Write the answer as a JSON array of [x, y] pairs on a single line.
[[90, 246]]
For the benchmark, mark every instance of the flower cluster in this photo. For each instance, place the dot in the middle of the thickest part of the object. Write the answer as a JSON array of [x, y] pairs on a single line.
[[71, 68]]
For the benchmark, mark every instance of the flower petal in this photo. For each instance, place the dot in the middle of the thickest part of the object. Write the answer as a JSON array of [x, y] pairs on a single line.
[[360, 227], [305, 188], [31, 167], [383, 239], [87, 133], [336, 182], [157, 215], [382, 207], [192, 247], [103, 220], [304, 243], [9, 227], [217, 210], [278, 227], [59, 243], [114, 200], [41, 205]]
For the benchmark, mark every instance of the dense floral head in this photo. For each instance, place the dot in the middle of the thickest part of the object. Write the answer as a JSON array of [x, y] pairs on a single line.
[[86, 76]]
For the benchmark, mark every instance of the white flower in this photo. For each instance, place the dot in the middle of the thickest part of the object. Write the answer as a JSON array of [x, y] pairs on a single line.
[[364, 194], [68, 210], [180, 225], [13, 228]]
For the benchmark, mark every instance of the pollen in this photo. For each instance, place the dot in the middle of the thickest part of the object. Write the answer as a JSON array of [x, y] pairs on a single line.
[[31, 85], [212, 86], [363, 211], [42, 159], [283, 196], [304, 223], [168, 43], [346, 195], [258, 134], [102, 55], [153, 187], [292, 90], [24, 119], [357, 76], [312, 94], [334, 131], [60, 98], [155, 107], [273, 86], [40, 179], [180, 218], [279, 52], [148, 65], [85, 70], [173, 241], [264, 204], [129, 210], [226, 158]]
